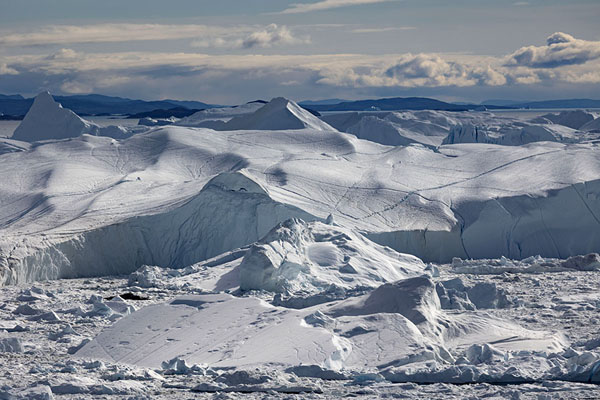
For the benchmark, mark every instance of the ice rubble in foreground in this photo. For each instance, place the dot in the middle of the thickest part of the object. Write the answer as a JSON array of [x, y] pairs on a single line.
[[279, 244]]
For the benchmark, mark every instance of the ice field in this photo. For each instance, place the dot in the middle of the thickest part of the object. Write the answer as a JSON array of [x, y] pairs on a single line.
[[269, 250]]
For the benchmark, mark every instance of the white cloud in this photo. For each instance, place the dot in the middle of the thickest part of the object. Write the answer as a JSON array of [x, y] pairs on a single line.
[[269, 36], [100, 33], [386, 29], [561, 49], [155, 73], [297, 8], [419, 70], [6, 70]]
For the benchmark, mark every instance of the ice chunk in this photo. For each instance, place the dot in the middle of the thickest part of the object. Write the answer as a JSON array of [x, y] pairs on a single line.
[[11, 345], [414, 298], [320, 260]]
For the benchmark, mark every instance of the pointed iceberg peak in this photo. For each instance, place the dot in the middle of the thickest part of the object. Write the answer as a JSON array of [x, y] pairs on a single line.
[[47, 119], [44, 98], [279, 114]]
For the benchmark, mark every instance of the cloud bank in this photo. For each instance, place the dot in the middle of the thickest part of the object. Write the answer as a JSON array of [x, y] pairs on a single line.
[[563, 62], [297, 8], [561, 49]]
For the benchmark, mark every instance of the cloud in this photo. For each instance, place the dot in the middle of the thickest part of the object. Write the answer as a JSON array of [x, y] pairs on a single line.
[[101, 33], [561, 49], [269, 36], [297, 8], [6, 70], [386, 29], [419, 70], [220, 77]]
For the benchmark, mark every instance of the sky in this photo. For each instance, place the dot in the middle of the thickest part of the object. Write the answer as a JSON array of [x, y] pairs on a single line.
[[230, 52]]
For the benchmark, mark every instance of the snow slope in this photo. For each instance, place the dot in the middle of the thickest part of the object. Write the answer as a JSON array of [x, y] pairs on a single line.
[[592, 126], [278, 114], [47, 119]]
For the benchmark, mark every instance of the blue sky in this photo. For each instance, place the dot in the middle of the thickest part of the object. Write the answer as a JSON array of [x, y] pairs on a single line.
[[234, 51]]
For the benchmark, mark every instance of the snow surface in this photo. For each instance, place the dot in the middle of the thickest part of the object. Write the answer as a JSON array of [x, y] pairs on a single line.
[[281, 257]]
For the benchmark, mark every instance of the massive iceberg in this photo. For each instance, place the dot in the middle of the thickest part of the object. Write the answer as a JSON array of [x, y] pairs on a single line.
[[454, 201]]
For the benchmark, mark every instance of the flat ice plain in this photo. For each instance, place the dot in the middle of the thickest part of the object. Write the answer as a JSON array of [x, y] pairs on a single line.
[[268, 251]]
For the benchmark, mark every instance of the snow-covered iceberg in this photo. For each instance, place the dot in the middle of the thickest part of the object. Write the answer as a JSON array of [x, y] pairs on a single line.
[[278, 114], [215, 118], [47, 119], [574, 119], [514, 134], [457, 201]]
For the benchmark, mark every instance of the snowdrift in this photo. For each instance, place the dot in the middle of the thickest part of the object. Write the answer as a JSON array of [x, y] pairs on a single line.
[[47, 119]]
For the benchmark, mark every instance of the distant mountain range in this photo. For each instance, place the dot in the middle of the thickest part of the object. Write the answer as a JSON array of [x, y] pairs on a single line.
[[95, 104], [565, 103], [424, 103], [16, 106], [395, 103], [177, 112], [322, 102]]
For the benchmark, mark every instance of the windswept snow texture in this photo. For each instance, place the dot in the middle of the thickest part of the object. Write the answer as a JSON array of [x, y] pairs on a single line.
[[46, 119]]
